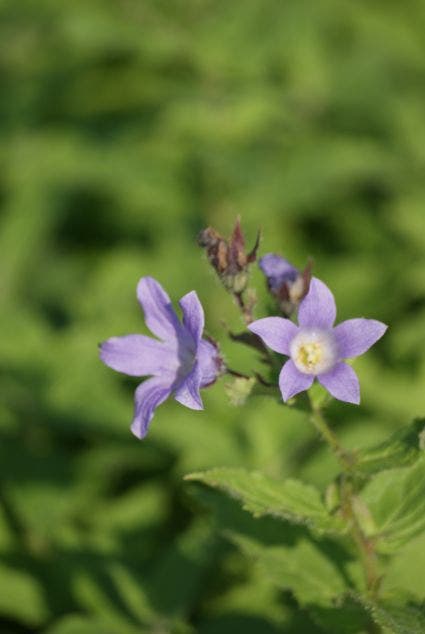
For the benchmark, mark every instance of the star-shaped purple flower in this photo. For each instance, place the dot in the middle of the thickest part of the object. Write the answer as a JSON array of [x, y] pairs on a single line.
[[316, 348], [180, 361]]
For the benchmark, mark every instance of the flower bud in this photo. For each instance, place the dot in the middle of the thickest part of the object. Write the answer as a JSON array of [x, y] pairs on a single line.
[[286, 283], [228, 257]]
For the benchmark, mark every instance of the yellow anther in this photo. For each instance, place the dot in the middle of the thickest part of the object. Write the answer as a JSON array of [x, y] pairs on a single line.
[[310, 354]]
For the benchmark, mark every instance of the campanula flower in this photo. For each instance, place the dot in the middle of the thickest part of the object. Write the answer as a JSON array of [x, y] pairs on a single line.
[[286, 283], [179, 362], [316, 348]]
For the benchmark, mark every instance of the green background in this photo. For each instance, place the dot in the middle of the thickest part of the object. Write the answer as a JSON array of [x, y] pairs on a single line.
[[126, 127]]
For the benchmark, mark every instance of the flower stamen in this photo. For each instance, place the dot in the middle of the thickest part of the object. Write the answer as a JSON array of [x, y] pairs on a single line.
[[313, 351]]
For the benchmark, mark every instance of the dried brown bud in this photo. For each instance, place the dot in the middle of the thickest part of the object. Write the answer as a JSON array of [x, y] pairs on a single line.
[[228, 257]]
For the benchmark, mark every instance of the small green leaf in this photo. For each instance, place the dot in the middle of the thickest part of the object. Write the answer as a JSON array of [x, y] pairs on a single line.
[[396, 500], [402, 449], [290, 500]]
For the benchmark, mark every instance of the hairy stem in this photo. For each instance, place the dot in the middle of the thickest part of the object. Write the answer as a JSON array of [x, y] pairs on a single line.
[[345, 459], [365, 546], [245, 308]]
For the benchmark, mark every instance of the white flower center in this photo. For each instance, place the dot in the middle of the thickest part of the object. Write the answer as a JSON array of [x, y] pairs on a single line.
[[314, 351]]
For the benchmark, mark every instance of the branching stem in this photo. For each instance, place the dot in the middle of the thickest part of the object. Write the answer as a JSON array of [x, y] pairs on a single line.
[[245, 307], [364, 545]]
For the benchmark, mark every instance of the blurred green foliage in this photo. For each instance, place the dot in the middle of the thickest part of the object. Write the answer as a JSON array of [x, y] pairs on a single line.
[[127, 126]]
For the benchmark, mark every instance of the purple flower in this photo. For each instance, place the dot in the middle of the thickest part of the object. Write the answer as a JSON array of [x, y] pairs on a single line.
[[180, 361], [316, 348], [285, 282]]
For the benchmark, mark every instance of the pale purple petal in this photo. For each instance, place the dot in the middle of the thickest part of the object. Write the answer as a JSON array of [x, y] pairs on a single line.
[[160, 317], [277, 270], [187, 392], [342, 383], [193, 315], [138, 355], [292, 381], [209, 362], [148, 396], [355, 336], [276, 332], [317, 309]]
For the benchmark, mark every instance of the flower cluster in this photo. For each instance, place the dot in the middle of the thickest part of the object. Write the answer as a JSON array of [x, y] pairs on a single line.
[[180, 360]]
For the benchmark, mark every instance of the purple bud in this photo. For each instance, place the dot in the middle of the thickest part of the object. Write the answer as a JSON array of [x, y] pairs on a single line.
[[286, 283]]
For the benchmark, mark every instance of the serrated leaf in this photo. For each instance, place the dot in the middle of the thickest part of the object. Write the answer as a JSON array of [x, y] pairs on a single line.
[[301, 568], [402, 449], [268, 533], [345, 617], [398, 619], [290, 500], [396, 500]]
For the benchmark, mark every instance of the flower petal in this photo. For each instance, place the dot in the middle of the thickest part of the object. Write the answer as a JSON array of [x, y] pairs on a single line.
[[342, 383], [187, 392], [276, 332], [138, 355], [148, 396], [355, 336], [292, 381], [209, 362], [160, 317], [317, 309], [193, 315], [277, 270]]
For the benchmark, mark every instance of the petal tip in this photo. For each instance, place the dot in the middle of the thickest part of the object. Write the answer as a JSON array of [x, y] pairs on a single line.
[[136, 431]]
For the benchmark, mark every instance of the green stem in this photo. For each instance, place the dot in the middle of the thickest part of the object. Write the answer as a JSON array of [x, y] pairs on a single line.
[[346, 460], [244, 308], [364, 545]]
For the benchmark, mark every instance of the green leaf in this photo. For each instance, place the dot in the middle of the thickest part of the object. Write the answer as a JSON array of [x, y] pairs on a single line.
[[131, 592], [301, 568], [345, 617], [178, 576], [290, 500], [396, 501], [406, 570], [398, 619], [402, 449], [75, 624], [21, 597]]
